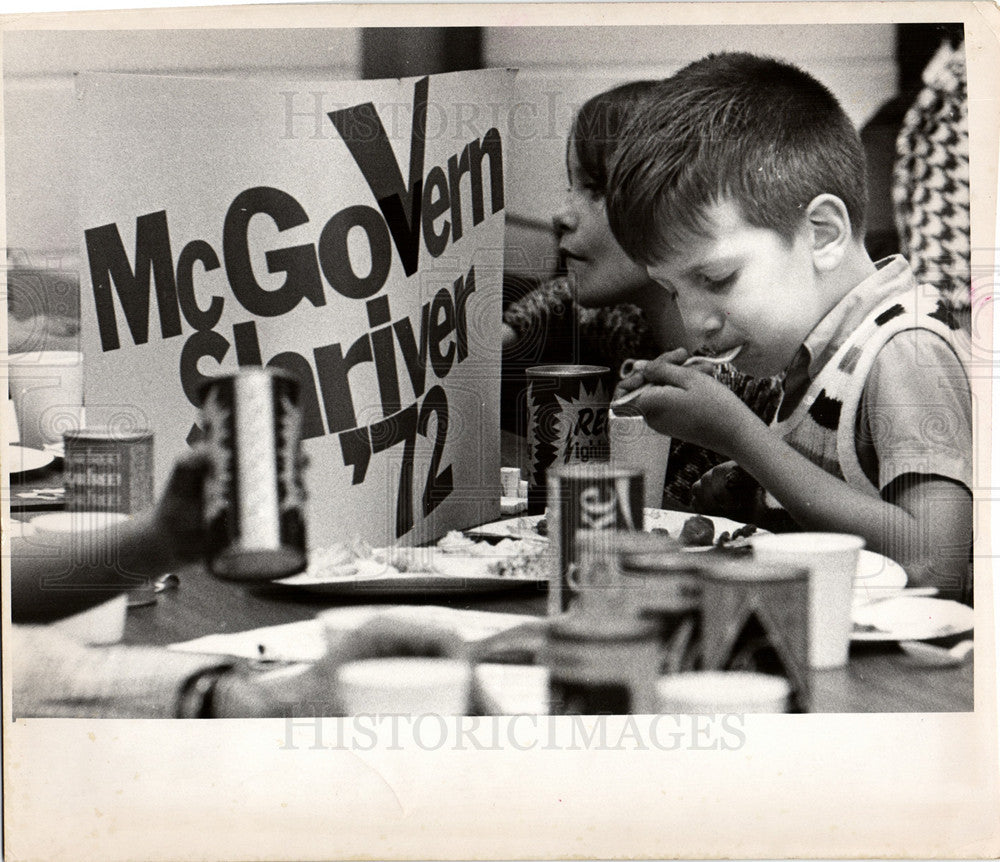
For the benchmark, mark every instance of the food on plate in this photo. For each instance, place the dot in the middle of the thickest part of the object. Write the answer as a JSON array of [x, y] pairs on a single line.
[[698, 531], [455, 555], [737, 540]]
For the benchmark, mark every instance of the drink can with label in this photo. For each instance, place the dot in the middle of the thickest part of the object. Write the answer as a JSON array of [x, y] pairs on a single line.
[[587, 497], [108, 470], [567, 422], [601, 666], [254, 497]]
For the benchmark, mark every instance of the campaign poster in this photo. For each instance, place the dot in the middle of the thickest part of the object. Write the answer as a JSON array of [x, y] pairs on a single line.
[[349, 233]]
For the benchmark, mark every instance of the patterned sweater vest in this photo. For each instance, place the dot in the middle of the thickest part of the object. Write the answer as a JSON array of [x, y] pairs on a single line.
[[822, 426]]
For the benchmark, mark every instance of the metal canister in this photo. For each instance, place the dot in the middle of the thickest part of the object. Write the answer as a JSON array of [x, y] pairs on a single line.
[[667, 587], [601, 666], [567, 422], [254, 497], [587, 497], [108, 470], [755, 617]]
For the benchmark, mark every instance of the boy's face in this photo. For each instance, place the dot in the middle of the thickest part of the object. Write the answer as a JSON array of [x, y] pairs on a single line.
[[743, 285]]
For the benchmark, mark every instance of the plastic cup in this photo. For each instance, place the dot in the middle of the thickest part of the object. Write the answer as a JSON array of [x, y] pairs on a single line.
[[832, 561], [635, 444], [47, 389], [722, 693], [405, 686]]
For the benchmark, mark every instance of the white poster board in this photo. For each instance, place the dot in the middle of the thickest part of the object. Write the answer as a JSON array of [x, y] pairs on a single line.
[[348, 232]]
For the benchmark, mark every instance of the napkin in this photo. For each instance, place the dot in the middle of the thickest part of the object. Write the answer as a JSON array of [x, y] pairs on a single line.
[[305, 641]]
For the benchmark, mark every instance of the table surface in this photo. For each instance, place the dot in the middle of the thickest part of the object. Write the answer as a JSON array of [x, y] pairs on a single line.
[[878, 678]]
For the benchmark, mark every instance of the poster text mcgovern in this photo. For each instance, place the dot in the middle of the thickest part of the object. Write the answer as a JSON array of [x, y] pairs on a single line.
[[430, 209]]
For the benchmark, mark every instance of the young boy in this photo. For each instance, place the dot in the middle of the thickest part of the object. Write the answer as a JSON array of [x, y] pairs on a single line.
[[741, 187]]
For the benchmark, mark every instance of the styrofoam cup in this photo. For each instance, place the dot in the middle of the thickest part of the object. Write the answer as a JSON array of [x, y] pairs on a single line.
[[405, 686], [47, 389], [722, 692], [104, 624], [832, 560], [633, 442]]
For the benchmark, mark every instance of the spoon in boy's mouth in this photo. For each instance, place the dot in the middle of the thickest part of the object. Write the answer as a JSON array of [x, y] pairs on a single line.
[[628, 367]]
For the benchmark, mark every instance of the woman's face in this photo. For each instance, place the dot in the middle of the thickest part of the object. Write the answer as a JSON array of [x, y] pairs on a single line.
[[603, 274]]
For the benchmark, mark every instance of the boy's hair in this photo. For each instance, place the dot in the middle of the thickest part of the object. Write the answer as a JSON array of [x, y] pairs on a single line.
[[597, 126], [754, 130]]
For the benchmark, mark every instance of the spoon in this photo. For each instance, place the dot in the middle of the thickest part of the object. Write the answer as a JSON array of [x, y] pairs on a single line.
[[936, 656], [721, 359]]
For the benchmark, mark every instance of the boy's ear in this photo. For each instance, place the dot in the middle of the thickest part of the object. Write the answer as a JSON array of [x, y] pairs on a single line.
[[830, 228]]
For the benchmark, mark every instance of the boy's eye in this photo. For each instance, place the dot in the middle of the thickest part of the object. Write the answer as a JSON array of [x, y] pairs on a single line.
[[717, 282]]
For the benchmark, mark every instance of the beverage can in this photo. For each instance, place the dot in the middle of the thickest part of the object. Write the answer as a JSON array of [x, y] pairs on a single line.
[[567, 422], [587, 497], [108, 470], [254, 497], [601, 666]]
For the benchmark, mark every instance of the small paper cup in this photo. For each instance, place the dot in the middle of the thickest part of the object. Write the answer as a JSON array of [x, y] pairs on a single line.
[[405, 686], [832, 560], [47, 389], [634, 443], [722, 693]]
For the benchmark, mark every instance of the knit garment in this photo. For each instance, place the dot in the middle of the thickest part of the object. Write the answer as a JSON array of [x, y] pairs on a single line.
[[931, 181], [823, 425]]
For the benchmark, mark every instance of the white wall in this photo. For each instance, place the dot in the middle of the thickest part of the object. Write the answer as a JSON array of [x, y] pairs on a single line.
[[561, 67], [40, 153]]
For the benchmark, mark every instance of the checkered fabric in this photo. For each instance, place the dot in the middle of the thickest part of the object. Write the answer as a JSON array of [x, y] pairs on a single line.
[[931, 180]]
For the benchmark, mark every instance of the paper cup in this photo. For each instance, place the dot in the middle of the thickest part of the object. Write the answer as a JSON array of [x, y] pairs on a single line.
[[104, 624], [722, 692], [635, 444], [94, 540], [832, 560], [47, 389], [405, 686]]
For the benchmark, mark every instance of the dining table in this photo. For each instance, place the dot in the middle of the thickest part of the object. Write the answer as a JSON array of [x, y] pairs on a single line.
[[879, 676]]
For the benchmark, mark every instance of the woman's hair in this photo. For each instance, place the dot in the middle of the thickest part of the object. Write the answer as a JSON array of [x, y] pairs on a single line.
[[757, 131], [596, 127]]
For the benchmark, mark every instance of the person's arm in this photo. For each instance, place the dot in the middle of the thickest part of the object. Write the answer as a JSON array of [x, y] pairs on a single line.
[[920, 528], [49, 580]]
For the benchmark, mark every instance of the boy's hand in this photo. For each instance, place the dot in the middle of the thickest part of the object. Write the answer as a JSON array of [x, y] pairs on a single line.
[[686, 403]]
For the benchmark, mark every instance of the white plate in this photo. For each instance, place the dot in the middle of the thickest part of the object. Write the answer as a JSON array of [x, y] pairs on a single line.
[[56, 449], [22, 459], [877, 577], [653, 519], [450, 572], [912, 618]]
